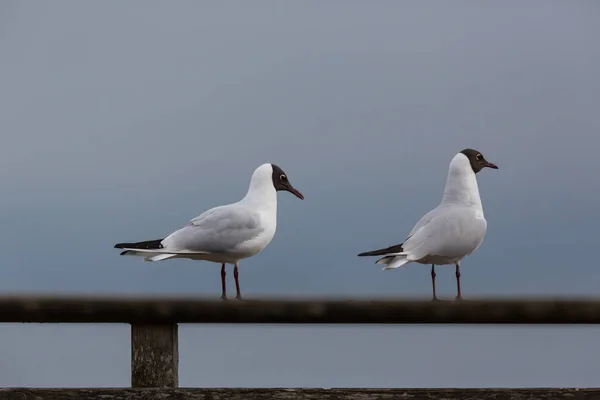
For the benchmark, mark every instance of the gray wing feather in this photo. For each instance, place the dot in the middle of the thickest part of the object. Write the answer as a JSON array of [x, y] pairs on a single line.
[[452, 232], [218, 230], [425, 219]]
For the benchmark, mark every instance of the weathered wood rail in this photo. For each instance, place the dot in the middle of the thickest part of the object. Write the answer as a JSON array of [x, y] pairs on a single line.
[[154, 340], [300, 394], [163, 310]]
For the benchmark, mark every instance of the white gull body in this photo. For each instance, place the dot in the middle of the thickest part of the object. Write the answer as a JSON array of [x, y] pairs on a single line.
[[225, 234], [452, 230]]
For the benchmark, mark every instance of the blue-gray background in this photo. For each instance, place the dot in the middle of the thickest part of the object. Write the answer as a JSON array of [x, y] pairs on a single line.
[[123, 120]]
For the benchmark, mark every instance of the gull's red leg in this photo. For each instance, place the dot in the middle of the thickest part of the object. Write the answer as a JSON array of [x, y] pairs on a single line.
[[433, 275], [458, 295], [237, 283], [223, 284]]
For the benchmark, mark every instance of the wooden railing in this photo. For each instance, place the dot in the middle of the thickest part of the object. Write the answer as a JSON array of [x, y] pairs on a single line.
[[154, 340]]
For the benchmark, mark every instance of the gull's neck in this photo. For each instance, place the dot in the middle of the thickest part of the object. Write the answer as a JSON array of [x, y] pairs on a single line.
[[261, 194], [461, 184]]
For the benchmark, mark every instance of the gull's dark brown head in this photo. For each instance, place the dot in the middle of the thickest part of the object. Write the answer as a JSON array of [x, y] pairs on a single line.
[[281, 182], [477, 160]]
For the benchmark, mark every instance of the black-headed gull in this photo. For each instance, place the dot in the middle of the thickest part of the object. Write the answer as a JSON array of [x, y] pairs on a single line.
[[452, 230], [225, 234]]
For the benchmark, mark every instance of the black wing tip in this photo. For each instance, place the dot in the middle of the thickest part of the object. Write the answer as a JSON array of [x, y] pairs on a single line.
[[147, 245], [124, 252], [382, 252]]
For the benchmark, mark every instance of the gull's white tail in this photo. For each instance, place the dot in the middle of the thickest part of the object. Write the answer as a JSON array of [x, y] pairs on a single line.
[[393, 256], [159, 257], [149, 255], [151, 250], [393, 261]]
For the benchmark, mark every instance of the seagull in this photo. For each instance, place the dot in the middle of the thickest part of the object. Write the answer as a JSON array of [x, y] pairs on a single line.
[[452, 230], [226, 234]]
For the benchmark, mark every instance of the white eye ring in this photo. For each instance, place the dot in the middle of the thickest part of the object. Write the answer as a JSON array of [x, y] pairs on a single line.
[[283, 177], [478, 157]]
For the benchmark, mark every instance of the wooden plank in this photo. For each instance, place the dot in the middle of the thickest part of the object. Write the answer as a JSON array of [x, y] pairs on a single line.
[[154, 356], [299, 394], [157, 310]]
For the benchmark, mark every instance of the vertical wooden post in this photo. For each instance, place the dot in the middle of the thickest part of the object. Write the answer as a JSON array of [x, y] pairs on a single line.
[[154, 356]]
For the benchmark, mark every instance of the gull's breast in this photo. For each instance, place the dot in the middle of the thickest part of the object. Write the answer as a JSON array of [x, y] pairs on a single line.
[[264, 236]]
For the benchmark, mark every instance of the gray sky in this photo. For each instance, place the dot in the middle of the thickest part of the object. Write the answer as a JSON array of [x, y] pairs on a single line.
[[122, 121]]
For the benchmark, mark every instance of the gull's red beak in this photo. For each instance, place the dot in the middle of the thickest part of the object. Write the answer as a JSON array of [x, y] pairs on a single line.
[[491, 165], [295, 192]]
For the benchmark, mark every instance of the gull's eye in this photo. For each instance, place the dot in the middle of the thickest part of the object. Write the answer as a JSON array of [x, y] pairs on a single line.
[[283, 178], [479, 157]]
